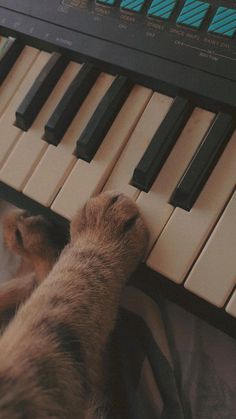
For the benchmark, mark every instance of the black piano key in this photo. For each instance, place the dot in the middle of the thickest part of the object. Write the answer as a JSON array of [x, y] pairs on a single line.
[[102, 119], [8, 56], [203, 162], [70, 104], [162, 143], [40, 91]]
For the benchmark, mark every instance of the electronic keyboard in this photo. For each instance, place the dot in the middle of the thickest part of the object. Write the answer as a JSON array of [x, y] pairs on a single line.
[[138, 96]]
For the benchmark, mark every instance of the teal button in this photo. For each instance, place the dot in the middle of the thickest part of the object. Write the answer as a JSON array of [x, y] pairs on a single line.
[[193, 13], [224, 22], [109, 2], [162, 8], [134, 5]]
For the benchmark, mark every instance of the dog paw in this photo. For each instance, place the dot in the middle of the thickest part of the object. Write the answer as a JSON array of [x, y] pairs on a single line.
[[112, 220], [31, 235]]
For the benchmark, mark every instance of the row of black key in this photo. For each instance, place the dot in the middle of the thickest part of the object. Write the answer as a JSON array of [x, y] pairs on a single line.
[[8, 56], [40, 91], [70, 104], [103, 117], [203, 162], [162, 143], [200, 167]]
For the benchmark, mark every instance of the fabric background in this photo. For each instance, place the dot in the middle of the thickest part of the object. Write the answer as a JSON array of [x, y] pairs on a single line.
[[169, 363]]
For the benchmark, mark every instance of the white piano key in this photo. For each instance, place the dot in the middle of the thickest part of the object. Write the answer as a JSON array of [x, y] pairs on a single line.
[[186, 232], [3, 39], [12, 133], [231, 306], [149, 122], [16, 75], [30, 148], [213, 276], [57, 162], [154, 205], [87, 179]]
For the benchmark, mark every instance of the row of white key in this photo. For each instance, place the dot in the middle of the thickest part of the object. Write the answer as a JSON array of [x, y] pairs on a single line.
[[87, 179], [16, 75], [11, 132], [30, 147], [214, 273], [186, 232], [59, 161], [76, 190]]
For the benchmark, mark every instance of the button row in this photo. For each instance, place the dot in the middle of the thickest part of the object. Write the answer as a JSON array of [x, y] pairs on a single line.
[[192, 14]]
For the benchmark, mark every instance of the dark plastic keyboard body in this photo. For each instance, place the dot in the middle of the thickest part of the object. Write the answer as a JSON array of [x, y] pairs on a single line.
[[162, 54]]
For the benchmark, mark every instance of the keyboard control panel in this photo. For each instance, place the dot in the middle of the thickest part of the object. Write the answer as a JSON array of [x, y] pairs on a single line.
[[198, 37], [192, 14]]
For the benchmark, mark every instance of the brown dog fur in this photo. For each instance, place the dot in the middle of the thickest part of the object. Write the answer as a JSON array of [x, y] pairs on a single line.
[[53, 353], [39, 243]]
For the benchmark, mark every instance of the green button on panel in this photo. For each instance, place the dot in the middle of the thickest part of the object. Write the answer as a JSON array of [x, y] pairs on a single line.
[[224, 22], [193, 13], [162, 8], [108, 2], [133, 5]]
